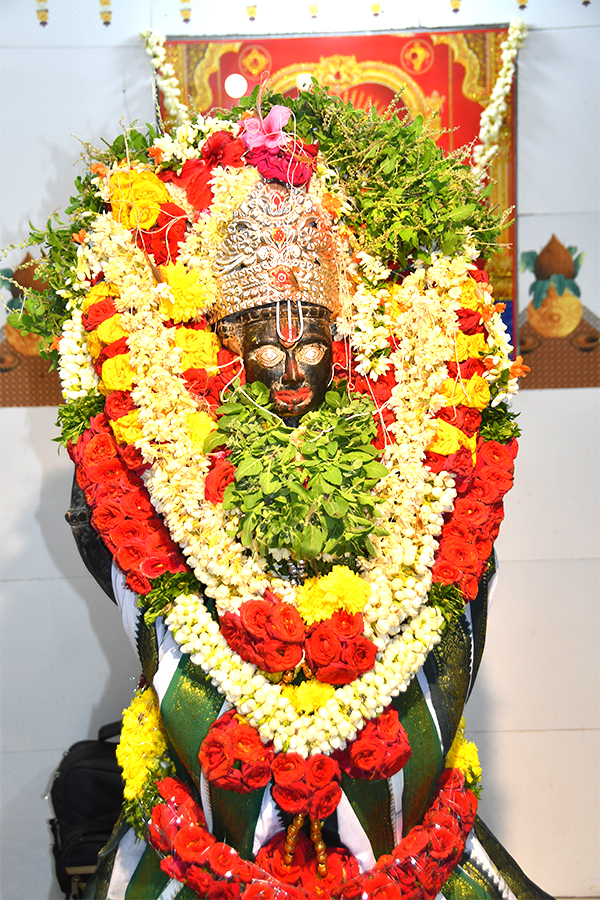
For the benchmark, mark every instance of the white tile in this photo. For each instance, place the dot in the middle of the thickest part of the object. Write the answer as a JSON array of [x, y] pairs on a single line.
[[552, 512], [540, 670], [35, 488], [67, 667], [540, 798], [27, 871], [558, 84]]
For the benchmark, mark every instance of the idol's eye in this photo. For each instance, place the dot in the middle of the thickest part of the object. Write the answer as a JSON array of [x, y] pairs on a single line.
[[268, 355], [311, 354]]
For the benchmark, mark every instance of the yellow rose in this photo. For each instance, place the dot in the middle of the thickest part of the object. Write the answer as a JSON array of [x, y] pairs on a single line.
[[470, 297], [470, 345], [200, 349], [118, 374], [446, 440], [127, 429], [199, 426], [135, 198], [99, 292], [94, 344], [111, 330], [188, 295], [475, 392]]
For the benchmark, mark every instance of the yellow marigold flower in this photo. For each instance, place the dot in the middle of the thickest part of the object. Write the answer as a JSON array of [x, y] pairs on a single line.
[[188, 294], [309, 696], [118, 374], [470, 297], [200, 348], [463, 755], [111, 330], [99, 292], [470, 345], [127, 429], [94, 344], [142, 742], [318, 598], [199, 426], [475, 392], [135, 198]]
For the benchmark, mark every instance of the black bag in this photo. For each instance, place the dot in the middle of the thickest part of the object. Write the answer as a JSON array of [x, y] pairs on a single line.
[[86, 795]]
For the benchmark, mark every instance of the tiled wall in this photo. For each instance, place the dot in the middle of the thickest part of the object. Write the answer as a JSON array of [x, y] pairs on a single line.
[[65, 666]]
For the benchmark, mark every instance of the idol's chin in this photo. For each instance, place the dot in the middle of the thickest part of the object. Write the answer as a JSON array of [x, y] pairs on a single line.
[[292, 408]]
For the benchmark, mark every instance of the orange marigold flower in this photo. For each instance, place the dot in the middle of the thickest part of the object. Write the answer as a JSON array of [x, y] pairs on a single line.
[[331, 204], [518, 369], [156, 154], [99, 169], [488, 311], [79, 236]]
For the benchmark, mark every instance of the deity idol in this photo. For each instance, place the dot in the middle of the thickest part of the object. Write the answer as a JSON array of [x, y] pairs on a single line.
[[295, 455]]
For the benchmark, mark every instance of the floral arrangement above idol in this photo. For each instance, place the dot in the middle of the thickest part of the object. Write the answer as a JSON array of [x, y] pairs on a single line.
[[286, 379]]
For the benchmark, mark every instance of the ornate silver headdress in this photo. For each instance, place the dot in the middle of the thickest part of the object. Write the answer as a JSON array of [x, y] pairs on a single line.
[[279, 247]]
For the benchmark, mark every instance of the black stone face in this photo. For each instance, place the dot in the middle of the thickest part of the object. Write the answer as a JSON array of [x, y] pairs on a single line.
[[297, 372]]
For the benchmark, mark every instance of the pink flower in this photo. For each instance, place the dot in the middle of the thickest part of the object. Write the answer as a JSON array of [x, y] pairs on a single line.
[[267, 133]]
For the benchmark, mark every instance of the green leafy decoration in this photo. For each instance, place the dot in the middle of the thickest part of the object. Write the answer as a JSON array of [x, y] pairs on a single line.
[[312, 494], [74, 417], [448, 599], [165, 589], [528, 261], [498, 423]]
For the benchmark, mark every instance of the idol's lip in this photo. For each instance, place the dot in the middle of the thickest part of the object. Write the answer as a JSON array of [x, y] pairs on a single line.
[[293, 400]]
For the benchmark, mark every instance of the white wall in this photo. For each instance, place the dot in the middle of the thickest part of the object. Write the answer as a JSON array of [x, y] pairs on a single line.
[[67, 669]]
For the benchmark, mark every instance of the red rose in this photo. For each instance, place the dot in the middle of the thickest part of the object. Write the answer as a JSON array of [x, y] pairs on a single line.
[[471, 421], [174, 867], [198, 880], [293, 798], [415, 842], [285, 623], [460, 464], [469, 585], [163, 239], [155, 566], [288, 768], [270, 858], [137, 505], [107, 516], [230, 366], [435, 462], [220, 149], [217, 479], [381, 887], [341, 867], [340, 357], [483, 547], [293, 168], [108, 469], [430, 876], [494, 454], [321, 771], [174, 790], [192, 842], [459, 553], [337, 673], [387, 724], [216, 753], [322, 647], [132, 457], [138, 582], [346, 625], [444, 843], [221, 857], [158, 540], [224, 890], [479, 274], [99, 447], [246, 742], [324, 802], [367, 754], [256, 775], [114, 349], [99, 312], [474, 512], [163, 828], [445, 572], [232, 630], [500, 478], [278, 656], [470, 321], [484, 491], [359, 654], [129, 530], [118, 404], [262, 890], [110, 490], [255, 615], [130, 555]]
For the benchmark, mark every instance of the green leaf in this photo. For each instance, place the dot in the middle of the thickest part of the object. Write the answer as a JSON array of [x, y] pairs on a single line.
[[213, 440], [577, 263], [332, 475], [559, 282], [336, 506], [312, 541], [247, 468], [572, 286], [528, 260], [539, 289], [460, 213], [375, 470]]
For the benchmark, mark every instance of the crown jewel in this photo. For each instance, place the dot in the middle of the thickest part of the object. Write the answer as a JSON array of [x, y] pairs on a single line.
[[279, 247]]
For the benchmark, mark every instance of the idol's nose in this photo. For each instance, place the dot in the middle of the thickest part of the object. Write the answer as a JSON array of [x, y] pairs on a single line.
[[292, 374]]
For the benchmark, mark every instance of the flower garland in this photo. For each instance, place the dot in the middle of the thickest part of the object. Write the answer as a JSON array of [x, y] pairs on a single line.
[[166, 813], [421, 360], [493, 115]]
